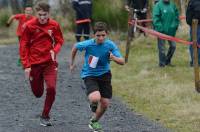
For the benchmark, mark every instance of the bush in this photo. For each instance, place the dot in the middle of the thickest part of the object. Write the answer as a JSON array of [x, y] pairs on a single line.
[[4, 16], [111, 12]]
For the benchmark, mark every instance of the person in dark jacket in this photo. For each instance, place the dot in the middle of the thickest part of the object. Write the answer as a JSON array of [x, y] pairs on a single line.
[[83, 9], [166, 21], [193, 12], [141, 6]]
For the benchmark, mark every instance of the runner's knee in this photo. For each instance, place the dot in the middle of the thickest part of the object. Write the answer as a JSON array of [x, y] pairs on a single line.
[[94, 96]]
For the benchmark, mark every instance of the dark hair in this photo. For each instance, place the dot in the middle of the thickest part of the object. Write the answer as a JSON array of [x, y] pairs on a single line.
[[100, 26], [28, 5], [42, 6]]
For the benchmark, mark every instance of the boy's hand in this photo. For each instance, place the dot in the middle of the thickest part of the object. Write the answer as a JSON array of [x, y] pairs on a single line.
[[127, 8], [111, 56], [7, 25], [72, 67], [116, 59], [144, 10], [52, 55], [27, 72]]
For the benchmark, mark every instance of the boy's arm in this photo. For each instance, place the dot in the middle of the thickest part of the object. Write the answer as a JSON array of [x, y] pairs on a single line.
[[118, 60], [72, 58], [79, 46], [10, 20], [58, 38], [157, 24], [127, 4], [16, 16], [115, 55], [24, 48], [24, 52]]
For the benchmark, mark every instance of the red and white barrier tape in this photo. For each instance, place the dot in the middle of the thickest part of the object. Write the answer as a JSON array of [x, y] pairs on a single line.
[[148, 20], [163, 36], [158, 34]]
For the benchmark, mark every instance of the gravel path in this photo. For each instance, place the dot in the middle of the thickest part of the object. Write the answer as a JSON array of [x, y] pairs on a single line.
[[19, 109]]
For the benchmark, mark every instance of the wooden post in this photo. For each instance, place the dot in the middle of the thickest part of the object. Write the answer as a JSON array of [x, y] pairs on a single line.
[[195, 54], [128, 43], [129, 35]]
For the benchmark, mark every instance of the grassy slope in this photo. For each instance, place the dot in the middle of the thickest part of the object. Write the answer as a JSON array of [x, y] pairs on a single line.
[[165, 94]]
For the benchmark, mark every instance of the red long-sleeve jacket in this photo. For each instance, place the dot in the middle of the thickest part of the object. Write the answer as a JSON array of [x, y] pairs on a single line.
[[22, 18], [37, 40]]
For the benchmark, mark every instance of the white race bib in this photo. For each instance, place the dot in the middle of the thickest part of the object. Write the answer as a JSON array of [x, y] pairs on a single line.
[[93, 60]]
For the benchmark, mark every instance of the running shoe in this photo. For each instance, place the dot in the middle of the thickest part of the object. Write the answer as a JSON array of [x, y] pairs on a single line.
[[45, 121], [95, 126]]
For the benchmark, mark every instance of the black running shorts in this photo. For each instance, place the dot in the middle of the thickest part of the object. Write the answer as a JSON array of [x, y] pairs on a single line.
[[100, 83]]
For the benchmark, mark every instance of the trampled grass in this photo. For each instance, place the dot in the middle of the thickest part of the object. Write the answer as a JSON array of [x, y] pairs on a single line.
[[7, 35], [166, 95]]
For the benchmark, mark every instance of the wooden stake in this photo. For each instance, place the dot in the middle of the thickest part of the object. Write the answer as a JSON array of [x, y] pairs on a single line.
[[129, 35], [128, 43], [195, 53]]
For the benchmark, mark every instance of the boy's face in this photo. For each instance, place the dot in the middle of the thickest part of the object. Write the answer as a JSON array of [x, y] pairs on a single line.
[[28, 11], [42, 16], [100, 36]]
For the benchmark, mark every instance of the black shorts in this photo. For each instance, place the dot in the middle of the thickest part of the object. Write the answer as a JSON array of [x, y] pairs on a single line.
[[100, 83]]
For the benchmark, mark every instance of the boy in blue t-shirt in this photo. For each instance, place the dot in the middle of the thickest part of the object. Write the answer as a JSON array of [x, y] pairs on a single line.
[[96, 74]]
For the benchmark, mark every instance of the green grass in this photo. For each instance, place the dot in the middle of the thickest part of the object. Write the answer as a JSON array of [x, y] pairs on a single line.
[[166, 95], [7, 35], [4, 15]]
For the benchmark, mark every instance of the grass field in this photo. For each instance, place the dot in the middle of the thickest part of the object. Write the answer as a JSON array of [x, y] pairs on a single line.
[[166, 95]]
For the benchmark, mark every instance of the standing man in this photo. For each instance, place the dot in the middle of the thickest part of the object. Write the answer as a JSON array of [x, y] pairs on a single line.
[[83, 9], [141, 6], [21, 18], [96, 70], [39, 44], [166, 21], [193, 12]]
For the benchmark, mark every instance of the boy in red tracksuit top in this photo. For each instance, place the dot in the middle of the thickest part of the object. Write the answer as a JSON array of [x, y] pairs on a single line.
[[40, 42], [21, 18]]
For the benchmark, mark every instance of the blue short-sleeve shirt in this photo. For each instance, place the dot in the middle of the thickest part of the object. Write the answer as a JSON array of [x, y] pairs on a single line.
[[98, 53]]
